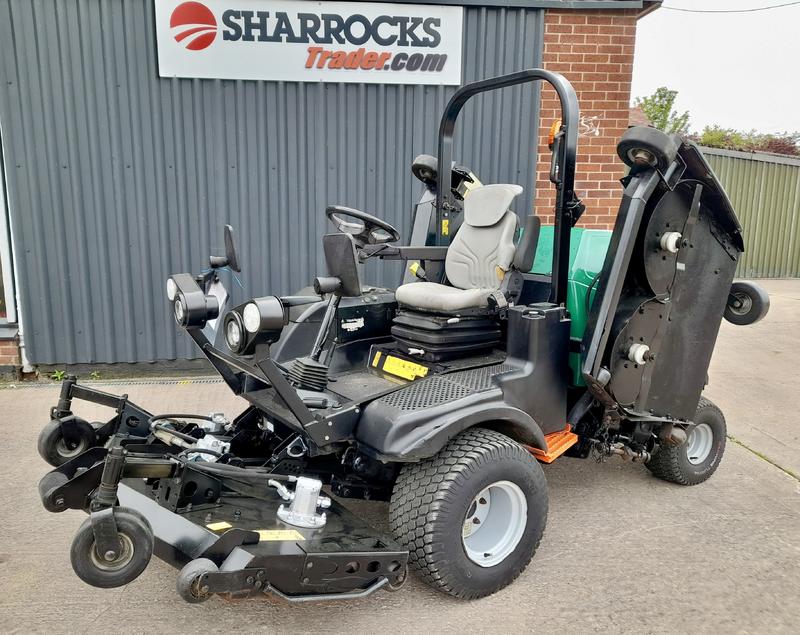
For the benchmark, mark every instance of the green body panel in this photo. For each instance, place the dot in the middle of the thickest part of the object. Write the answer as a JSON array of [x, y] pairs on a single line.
[[587, 252]]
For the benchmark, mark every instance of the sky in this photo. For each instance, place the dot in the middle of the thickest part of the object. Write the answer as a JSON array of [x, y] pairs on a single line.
[[737, 70]]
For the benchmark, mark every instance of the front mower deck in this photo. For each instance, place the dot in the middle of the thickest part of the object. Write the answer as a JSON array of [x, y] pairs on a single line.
[[257, 553]]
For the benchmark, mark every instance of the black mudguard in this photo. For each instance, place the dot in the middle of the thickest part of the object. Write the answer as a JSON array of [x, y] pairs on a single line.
[[398, 431]]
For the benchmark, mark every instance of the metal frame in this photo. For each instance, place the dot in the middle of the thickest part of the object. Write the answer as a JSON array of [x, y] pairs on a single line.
[[562, 170], [638, 192], [129, 416]]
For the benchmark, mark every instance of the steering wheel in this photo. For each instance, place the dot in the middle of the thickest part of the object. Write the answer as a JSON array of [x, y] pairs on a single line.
[[365, 228]]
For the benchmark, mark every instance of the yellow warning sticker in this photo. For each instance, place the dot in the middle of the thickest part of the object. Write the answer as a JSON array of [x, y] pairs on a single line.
[[445, 227], [280, 534], [219, 526], [403, 368], [376, 359]]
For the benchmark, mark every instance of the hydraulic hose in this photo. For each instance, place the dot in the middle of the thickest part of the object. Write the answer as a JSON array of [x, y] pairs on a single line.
[[202, 451], [151, 421], [252, 482], [156, 427], [231, 471]]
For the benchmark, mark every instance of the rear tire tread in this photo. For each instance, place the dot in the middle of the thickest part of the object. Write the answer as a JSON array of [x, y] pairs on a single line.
[[666, 462]]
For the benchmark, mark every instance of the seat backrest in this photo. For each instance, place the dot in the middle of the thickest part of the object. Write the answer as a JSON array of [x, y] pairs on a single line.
[[483, 249]]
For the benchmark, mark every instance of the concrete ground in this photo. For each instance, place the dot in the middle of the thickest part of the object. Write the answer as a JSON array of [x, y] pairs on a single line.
[[623, 552]]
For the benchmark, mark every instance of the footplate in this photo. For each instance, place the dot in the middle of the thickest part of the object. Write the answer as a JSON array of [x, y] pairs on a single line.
[[557, 443]]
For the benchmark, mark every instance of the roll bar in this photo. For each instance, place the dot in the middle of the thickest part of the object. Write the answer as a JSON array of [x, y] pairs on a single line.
[[562, 171]]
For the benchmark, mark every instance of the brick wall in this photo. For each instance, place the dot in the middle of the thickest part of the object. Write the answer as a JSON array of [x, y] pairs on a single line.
[[9, 353], [594, 51]]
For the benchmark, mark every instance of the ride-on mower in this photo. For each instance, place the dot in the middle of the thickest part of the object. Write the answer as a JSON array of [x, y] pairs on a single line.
[[507, 346]]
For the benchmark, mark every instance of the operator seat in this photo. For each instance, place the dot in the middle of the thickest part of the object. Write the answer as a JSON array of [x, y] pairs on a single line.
[[478, 258]]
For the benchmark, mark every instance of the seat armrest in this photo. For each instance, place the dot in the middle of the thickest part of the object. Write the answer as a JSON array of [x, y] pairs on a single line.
[[392, 252], [526, 248]]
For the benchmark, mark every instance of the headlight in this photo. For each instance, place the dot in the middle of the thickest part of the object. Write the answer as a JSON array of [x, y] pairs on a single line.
[[252, 318], [264, 317], [234, 333], [192, 308], [264, 314], [258, 322], [180, 311], [172, 290]]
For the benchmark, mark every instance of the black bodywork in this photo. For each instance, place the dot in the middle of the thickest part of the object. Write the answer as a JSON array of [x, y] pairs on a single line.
[[357, 429]]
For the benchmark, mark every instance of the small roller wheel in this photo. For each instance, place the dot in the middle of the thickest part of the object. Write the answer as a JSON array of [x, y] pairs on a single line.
[[399, 582], [189, 583], [747, 303], [56, 450], [136, 541], [642, 147], [425, 168], [47, 486]]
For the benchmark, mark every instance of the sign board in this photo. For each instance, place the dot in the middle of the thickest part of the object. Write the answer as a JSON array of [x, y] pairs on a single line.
[[301, 40]]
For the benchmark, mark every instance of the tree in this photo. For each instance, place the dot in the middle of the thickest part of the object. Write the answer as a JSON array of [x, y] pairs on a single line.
[[749, 141], [659, 110]]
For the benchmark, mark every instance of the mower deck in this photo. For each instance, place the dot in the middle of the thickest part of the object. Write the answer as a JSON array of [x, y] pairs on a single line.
[[257, 553]]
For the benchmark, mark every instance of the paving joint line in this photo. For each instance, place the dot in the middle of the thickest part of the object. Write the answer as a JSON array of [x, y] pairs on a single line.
[[764, 457]]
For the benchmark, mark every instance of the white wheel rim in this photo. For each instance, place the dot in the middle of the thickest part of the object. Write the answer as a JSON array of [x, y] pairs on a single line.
[[495, 521], [699, 443]]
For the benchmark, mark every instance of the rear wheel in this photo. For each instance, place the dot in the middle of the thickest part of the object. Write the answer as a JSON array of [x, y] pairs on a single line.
[[473, 515], [697, 459]]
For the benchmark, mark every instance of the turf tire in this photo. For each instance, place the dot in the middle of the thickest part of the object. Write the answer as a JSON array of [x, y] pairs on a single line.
[[671, 462], [430, 502]]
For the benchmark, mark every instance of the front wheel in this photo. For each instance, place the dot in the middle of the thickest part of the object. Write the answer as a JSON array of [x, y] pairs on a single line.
[[697, 459], [113, 570], [473, 515], [56, 450]]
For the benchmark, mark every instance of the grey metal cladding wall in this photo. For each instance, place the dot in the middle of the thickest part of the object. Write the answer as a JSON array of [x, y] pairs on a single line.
[[117, 178]]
